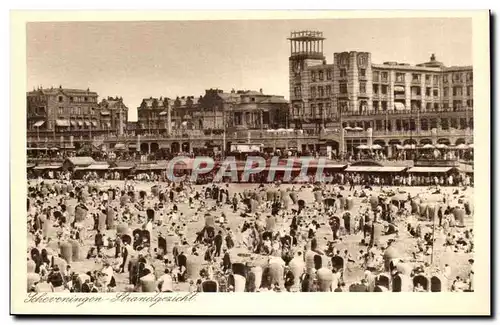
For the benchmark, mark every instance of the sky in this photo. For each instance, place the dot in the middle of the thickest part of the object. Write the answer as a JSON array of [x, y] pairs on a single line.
[[137, 60]]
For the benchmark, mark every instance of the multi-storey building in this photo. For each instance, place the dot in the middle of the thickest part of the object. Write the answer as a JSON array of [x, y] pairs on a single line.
[[68, 118], [214, 111], [386, 104], [114, 115]]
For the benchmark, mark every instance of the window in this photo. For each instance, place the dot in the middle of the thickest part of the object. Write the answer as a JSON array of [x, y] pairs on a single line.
[[469, 90], [427, 78], [71, 99], [385, 76], [415, 77], [85, 99], [328, 91], [313, 92], [321, 92], [470, 103], [445, 106], [469, 76], [428, 91], [435, 92], [428, 106], [329, 74], [60, 99], [445, 78], [313, 76], [61, 110], [400, 77], [321, 76], [375, 89], [435, 80], [253, 99], [343, 73], [415, 91], [457, 104], [436, 106], [362, 87], [320, 109], [376, 76], [456, 76], [384, 89], [362, 73], [296, 91], [313, 110], [343, 88], [457, 91], [445, 92], [328, 107]]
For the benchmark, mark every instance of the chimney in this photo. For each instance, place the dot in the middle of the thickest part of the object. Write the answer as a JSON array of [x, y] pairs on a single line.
[[260, 90]]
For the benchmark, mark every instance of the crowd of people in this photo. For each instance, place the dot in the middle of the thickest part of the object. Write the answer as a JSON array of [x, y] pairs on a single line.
[[90, 236]]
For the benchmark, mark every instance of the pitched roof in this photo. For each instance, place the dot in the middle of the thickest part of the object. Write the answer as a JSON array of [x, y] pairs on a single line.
[[81, 161]]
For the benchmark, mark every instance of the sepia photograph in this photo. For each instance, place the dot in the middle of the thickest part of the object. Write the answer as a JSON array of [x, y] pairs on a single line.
[[181, 157]]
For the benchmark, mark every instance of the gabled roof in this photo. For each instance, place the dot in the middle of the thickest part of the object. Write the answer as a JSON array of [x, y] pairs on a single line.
[[81, 161]]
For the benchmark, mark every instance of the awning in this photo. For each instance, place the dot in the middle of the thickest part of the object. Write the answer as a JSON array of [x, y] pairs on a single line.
[[62, 122], [119, 146], [43, 167], [399, 88], [94, 123], [39, 123], [98, 167], [376, 169], [80, 123], [163, 113], [104, 113], [429, 169], [121, 168], [87, 123], [28, 166], [399, 106], [334, 166], [466, 169], [73, 123]]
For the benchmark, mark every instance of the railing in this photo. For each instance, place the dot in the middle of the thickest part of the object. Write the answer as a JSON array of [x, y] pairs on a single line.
[[406, 112]]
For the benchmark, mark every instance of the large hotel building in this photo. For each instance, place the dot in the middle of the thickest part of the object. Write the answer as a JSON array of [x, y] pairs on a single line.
[[369, 103]]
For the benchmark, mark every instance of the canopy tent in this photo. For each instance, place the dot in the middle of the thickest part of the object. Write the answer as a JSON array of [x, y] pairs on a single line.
[[429, 169]]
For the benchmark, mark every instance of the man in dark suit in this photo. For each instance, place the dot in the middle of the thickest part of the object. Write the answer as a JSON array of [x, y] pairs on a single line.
[[218, 243], [226, 261], [99, 242]]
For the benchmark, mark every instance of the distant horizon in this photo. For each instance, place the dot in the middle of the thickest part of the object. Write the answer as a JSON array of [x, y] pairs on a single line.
[[139, 60]]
